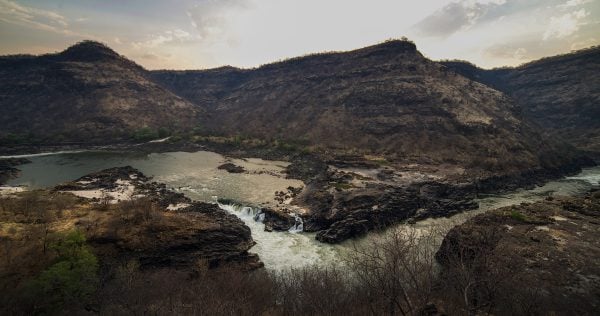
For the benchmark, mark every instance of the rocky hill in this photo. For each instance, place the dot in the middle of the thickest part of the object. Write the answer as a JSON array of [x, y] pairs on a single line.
[[385, 99], [87, 93], [551, 246], [559, 93]]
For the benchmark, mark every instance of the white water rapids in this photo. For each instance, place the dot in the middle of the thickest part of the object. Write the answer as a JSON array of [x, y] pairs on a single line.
[[197, 176]]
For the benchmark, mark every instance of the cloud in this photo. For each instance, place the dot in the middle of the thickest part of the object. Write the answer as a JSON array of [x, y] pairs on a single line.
[[12, 12], [150, 56], [574, 3], [565, 25], [455, 17], [167, 37], [209, 17], [39, 19], [505, 51]]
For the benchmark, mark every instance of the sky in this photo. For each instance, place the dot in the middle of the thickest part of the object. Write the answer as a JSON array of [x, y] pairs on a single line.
[[200, 34]]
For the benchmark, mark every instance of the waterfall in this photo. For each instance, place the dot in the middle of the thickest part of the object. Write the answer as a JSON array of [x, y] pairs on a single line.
[[256, 214], [248, 211], [298, 224]]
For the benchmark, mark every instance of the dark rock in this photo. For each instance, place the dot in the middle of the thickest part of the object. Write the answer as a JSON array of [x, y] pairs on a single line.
[[182, 238], [344, 229], [202, 232], [307, 168], [356, 212], [231, 168], [276, 220]]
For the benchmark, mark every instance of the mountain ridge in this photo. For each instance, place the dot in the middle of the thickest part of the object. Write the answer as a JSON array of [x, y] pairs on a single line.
[[86, 93], [384, 99], [559, 93]]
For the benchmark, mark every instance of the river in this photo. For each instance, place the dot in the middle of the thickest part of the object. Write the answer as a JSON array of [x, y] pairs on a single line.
[[197, 176]]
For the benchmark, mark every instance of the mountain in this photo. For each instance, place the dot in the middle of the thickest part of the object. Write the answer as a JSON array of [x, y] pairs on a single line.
[[87, 93], [560, 93], [386, 99]]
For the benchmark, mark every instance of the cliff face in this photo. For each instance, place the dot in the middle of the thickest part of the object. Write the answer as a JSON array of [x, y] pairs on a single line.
[[386, 99], [561, 94], [87, 93]]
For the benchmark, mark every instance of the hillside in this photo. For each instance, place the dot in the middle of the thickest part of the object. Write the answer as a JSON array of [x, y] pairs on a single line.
[[87, 93], [559, 93], [549, 245], [385, 99]]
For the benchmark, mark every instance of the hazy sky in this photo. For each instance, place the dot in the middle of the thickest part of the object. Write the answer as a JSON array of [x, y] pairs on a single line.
[[187, 34]]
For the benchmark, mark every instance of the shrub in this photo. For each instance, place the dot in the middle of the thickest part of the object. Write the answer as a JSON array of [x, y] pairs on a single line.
[[518, 216], [71, 280], [163, 132], [145, 134]]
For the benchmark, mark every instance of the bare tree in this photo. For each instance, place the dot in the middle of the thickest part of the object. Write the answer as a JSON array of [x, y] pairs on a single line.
[[44, 221], [398, 271]]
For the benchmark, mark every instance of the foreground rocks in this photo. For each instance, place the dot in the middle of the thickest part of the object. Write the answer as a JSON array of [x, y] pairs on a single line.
[[552, 245], [146, 222]]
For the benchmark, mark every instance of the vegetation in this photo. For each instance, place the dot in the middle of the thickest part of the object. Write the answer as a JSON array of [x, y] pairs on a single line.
[[145, 134], [72, 279], [518, 216], [18, 139], [301, 146], [399, 273], [342, 185]]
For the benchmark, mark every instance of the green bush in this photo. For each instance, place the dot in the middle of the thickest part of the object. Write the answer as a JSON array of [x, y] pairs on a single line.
[[518, 216], [72, 279], [145, 134], [163, 132]]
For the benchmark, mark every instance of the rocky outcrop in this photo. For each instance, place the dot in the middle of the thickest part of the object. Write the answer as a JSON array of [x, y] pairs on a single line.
[[552, 245], [356, 212], [198, 234], [356, 195], [275, 220], [158, 227], [231, 168]]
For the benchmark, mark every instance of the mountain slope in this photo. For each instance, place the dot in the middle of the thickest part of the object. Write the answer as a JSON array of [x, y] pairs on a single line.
[[87, 93], [384, 99], [560, 93]]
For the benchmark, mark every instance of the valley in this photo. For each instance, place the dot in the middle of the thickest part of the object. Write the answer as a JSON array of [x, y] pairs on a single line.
[[296, 169]]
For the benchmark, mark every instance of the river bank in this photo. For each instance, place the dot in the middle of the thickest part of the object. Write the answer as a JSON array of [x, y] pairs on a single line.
[[345, 196], [197, 176]]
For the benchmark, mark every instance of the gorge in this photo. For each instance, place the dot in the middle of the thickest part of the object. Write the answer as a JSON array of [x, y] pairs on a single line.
[[298, 164]]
